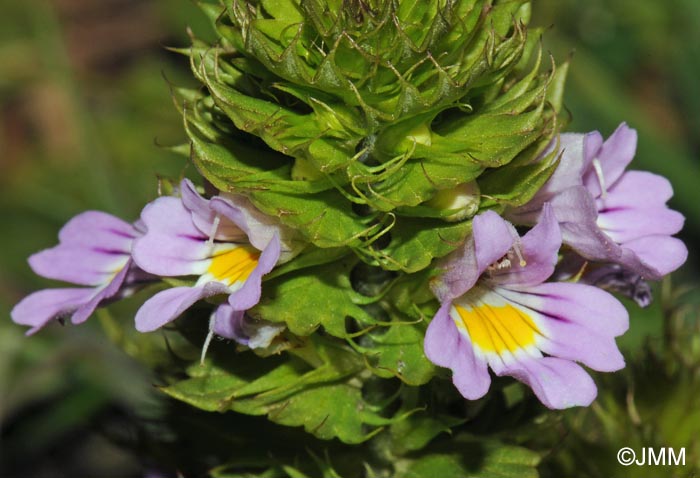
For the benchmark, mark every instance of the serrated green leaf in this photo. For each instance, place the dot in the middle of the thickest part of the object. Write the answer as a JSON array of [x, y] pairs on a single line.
[[323, 215], [212, 388], [233, 159], [416, 431], [312, 297], [329, 411], [312, 388], [284, 9], [555, 91], [415, 242], [419, 179], [495, 139], [311, 256], [326, 218], [398, 352], [515, 184], [465, 456]]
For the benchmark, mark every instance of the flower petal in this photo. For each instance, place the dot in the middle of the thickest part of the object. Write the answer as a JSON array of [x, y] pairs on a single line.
[[637, 189], [41, 307], [564, 334], [491, 239], [77, 265], [659, 255], [111, 290], [93, 246], [204, 216], [167, 305], [585, 305], [234, 324], [98, 229], [249, 294], [624, 225], [636, 206], [510, 336], [445, 346], [576, 213], [228, 323], [172, 245], [496, 328], [567, 175], [571, 165], [614, 156], [261, 333], [540, 247], [558, 383], [591, 147], [259, 227]]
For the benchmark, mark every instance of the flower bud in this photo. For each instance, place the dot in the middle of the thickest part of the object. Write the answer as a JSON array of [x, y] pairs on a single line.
[[462, 200], [303, 170]]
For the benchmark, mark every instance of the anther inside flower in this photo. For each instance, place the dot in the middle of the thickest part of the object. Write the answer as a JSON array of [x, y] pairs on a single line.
[[498, 312], [513, 256]]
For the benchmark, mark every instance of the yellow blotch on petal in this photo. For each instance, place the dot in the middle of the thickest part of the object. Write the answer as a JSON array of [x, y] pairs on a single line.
[[234, 265], [497, 328]]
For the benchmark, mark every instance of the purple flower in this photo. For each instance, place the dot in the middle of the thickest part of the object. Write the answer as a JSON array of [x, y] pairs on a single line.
[[239, 326], [609, 214], [615, 278], [498, 312], [609, 276], [94, 251], [234, 324], [225, 245]]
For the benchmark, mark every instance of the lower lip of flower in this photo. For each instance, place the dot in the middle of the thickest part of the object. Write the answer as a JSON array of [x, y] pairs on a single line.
[[233, 265], [496, 328]]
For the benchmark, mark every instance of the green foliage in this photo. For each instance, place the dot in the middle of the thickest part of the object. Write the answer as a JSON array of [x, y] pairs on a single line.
[[313, 297], [489, 460], [318, 387], [398, 352], [356, 106], [311, 386]]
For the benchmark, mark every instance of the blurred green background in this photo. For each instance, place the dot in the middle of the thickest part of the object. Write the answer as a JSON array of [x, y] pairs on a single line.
[[85, 111]]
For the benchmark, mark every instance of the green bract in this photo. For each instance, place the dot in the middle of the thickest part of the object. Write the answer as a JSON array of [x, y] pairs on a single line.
[[344, 118]]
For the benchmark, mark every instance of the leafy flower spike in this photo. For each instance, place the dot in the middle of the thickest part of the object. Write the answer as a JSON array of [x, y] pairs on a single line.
[[609, 214], [218, 241], [94, 251], [497, 311]]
